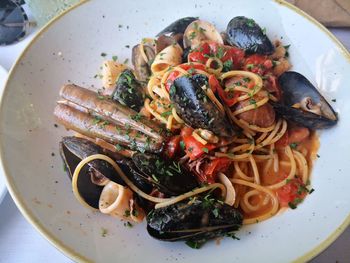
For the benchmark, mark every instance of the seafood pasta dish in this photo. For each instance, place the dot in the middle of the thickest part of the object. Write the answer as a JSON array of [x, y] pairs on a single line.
[[207, 131]]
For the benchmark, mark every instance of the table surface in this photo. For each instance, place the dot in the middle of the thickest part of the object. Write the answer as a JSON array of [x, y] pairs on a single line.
[[20, 242]]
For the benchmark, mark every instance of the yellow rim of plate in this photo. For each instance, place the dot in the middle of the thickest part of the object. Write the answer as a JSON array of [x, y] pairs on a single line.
[[80, 258]]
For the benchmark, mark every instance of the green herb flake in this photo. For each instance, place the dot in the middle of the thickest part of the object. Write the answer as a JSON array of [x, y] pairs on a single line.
[[334, 100], [182, 145], [128, 224], [166, 113], [205, 150], [250, 66], [227, 65], [220, 52], [215, 212], [311, 191], [114, 58], [118, 147], [192, 35], [127, 213], [193, 244], [293, 145], [126, 61], [250, 22], [103, 54], [104, 232], [264, 30]]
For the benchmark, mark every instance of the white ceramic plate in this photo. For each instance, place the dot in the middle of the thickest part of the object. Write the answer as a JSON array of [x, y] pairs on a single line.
[[69, 50], [3, 76]]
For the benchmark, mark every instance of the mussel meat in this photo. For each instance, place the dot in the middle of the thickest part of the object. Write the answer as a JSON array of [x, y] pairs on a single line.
[[129, 91], [302, 103], [200, 219], [170, 178], [246, 34], [195, 108]]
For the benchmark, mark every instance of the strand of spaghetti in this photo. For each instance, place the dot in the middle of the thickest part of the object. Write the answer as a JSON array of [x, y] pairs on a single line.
[[275, 158], [241, 174], [154, 113], [250, 93], [119, 171], [176, 116], [198, 137], [267, 166], [251, 106], [219, 65], [257, 79], [268, 140], [302, 164], [255, 170], [262, 157], [246, 131], [280, 133], [169, 122], [142, 52], [213, 98], [192, 193], [234, 157], [247, 204], [273, 199], [240, 140], [242, 147], [257, 128], [262, 136], [150, 86], [292, 171]]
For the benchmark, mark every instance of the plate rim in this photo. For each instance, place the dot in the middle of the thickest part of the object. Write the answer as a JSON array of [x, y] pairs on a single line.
[[3, 189], [69, 251]]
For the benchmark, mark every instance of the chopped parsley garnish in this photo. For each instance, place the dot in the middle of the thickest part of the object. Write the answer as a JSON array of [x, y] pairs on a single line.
[[103, 54], [215, 212], [115, 58], [293, 145], [264, 30], [194, 244], [252, 101], [250, 66], [205, 150], [287, 50], [232, 235], [295, 202], [104, 232], [128, 224], [118, 147], [182, 145], [250, 22], [127, 213], [172, 90], [334, 100], [227, 65], [166, 113], [192, 35], [126, 61], [136, 117], [220, 52]]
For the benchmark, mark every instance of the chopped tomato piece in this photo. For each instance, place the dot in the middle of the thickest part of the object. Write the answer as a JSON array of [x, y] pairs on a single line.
[[217, 165], [173, 146], [186, 131], [292, 193], [258, 64], [194, 148]]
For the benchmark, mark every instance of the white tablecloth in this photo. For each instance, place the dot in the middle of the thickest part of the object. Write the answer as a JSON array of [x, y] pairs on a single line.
[[20, 242]]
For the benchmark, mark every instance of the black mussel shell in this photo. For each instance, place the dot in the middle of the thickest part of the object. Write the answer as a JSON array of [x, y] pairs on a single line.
[[195, 108], [129, 91], [177, 27], [74, 149], [170, 178], [244, 33], [315, 111], [198, 220]]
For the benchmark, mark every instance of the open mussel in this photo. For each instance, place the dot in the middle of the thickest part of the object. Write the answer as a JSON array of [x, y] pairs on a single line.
[[129, 91], [198, 220], [168, 177], [191, 102], [93, 176], [246, 34], [303, 104]]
